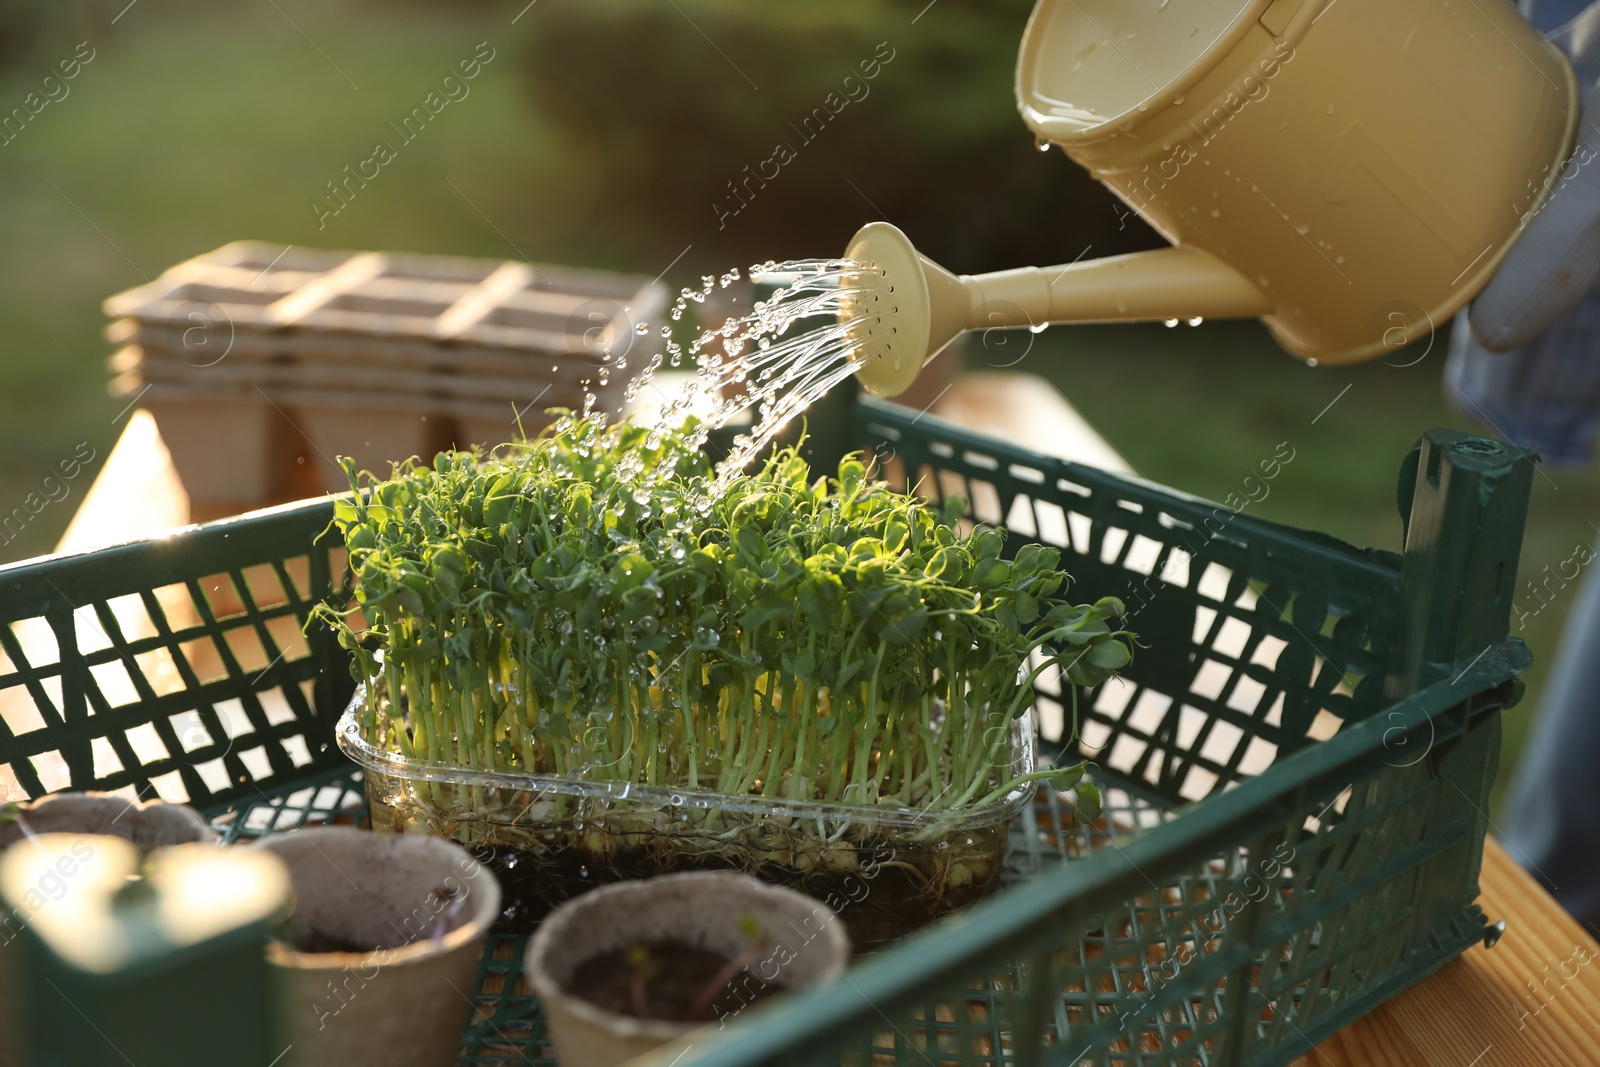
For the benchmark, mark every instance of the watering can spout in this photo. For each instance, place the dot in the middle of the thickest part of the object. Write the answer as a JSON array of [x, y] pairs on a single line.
[[908, 308]]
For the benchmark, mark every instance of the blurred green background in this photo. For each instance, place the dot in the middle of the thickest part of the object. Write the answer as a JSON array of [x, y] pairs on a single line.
[[606, 133]]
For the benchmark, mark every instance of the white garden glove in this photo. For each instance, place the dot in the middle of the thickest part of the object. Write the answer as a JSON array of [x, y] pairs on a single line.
[[1557, 259]]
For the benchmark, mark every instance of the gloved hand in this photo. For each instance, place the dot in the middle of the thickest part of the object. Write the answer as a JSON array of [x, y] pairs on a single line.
[[1557, 259]]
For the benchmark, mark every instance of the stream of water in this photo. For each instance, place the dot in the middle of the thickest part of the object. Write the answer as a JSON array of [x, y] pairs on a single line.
[[777, 359]]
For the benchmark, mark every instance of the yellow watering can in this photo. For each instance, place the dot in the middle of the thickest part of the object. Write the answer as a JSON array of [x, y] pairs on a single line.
[[1349, 171]]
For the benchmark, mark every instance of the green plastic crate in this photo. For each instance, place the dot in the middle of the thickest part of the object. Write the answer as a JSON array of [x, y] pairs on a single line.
[[1296, 769]]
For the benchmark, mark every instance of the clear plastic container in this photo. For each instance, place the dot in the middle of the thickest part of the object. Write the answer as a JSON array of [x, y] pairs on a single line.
[[886, 870]]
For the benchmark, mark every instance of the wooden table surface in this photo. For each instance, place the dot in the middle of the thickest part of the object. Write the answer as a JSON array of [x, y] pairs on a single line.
[[1531, 1001]]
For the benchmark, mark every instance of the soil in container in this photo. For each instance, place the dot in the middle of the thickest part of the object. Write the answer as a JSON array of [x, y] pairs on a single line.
[[669, 979], [895, 903], [884, 881]]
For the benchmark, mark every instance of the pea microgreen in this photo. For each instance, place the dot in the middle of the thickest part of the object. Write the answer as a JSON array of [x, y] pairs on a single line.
[[593, 603]]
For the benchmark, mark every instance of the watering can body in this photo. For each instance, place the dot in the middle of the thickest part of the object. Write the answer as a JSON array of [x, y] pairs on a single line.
[[1350, 171]]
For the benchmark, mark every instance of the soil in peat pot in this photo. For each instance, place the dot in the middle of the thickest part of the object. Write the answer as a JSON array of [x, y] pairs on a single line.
[[666, 983], [317, 942]]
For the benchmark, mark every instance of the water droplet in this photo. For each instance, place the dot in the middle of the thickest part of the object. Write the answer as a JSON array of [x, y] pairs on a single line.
[[642, 328], [1312, 362], [1039, 327], [1171, 323], [1197, 320], [1041, 144]]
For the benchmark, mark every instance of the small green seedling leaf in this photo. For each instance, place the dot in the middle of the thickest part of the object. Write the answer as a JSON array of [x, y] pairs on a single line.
[[1065, 778], [750, 928], [641, 963], [1088, 803]]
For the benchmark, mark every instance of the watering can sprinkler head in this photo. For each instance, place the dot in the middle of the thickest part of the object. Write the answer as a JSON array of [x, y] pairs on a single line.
[[906, 310]]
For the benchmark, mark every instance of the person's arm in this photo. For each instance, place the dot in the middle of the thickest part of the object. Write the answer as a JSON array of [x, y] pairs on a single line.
[[1557, 259]]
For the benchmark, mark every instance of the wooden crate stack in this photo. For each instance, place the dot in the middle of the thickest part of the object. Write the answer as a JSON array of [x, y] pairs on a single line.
[[263, 363]]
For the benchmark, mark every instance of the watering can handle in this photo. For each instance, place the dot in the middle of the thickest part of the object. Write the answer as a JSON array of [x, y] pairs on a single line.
[[1169, 283]]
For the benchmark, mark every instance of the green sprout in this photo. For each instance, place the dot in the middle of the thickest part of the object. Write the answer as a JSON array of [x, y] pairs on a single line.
[[590, 603], [642, 968], [755, 946]]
